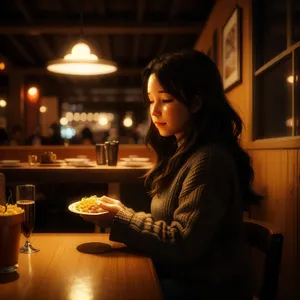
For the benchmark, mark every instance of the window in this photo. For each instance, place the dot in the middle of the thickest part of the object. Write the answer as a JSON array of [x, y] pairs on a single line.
[[276, 53]]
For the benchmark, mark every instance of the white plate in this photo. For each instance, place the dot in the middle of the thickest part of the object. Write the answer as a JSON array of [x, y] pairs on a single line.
[[134, 164], [72, 208], [10, 163], [135, 159], [76, 160]]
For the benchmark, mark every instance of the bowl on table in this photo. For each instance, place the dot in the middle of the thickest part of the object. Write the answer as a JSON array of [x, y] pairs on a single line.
[[77, 161]]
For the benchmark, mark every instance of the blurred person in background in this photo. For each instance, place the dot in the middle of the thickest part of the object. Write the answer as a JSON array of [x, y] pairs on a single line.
[[4, 138], [36, 139], [87, 137], [17, 136], [113, 134], [55, 136]]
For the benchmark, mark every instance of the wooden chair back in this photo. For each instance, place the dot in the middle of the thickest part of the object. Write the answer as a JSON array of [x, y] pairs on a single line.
[[268, 240]]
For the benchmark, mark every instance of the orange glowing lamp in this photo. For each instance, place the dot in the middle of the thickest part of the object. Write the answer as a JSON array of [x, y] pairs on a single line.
[[33, 94]]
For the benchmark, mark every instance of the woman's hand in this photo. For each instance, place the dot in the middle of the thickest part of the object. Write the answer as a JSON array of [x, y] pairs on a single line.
[[111, 205]]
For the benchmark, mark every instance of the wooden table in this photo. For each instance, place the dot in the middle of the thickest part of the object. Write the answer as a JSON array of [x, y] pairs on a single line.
[[60, 272], [112, 175]]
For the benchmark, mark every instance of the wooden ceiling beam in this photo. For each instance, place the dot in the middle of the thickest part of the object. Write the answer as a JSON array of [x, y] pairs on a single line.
[[41, 41], [100, 7], [174, 10], [141, 7], [104, 29], [21, 49]]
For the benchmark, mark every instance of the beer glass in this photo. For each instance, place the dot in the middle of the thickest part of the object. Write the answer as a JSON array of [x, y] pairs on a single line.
[[26, 200]]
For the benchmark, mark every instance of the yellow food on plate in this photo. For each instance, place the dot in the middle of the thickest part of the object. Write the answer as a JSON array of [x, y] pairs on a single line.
[[11, 210], [89, 205]]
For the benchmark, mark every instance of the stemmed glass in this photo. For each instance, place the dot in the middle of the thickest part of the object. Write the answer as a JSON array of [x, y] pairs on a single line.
[[26, 200]]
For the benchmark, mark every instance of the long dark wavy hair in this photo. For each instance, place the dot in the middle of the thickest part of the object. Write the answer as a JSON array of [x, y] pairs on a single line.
[[188, 75]]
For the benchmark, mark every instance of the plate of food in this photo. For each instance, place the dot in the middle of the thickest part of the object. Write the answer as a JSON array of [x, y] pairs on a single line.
[[87, 206]]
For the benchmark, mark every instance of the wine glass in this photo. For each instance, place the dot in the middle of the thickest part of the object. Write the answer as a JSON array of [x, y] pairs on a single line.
[[26, 200]]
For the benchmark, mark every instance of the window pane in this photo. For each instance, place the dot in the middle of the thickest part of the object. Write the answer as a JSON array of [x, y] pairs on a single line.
[[297, 90], [270, 29], [273, 101], [296, 21]]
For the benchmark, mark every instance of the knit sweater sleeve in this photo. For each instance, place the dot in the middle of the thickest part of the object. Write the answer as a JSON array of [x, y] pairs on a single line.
[[202, 205]]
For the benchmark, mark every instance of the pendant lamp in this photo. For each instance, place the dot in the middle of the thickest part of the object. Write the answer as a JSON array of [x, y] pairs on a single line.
[[80, 61]]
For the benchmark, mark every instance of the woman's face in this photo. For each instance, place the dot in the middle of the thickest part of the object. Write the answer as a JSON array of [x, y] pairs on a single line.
[[167, 114]]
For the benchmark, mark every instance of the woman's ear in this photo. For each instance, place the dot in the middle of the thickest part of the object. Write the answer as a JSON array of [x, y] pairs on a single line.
[[197, 104]]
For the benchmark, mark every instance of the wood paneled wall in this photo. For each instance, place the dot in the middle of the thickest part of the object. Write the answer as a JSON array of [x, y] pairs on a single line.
[[276, 178], [277, 171]]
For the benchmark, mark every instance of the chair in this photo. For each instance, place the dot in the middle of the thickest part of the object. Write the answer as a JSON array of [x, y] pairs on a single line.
[[269, 242]]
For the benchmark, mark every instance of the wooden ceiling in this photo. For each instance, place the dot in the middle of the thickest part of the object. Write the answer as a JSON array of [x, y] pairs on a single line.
[[129, 32]]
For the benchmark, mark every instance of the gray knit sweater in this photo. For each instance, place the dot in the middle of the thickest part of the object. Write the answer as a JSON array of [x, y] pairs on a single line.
[[194, 230]]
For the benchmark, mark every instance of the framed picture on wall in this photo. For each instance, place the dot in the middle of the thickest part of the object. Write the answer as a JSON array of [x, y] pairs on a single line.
[[231, 50]]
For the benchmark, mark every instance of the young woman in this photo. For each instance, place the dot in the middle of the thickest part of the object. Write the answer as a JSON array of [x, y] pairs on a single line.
[[200, 184]]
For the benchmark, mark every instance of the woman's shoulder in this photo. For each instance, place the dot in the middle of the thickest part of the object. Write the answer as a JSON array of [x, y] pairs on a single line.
[[213, 154]]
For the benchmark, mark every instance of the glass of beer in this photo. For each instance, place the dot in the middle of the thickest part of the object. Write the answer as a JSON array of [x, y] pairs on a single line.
[[26, 200]]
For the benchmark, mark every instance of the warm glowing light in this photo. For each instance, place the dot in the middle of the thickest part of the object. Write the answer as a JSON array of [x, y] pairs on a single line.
[[289, 122], [2, 66], [81, 289], [110, 116], [3, 103], [290, 79], [69, 116], [83, 117], [32, 91], [81, 51], [63, 121], [96, 117], [103, 120], [127, 122], [81, 62], [76, 117], [43, 109], [33, 94], [89, 117]]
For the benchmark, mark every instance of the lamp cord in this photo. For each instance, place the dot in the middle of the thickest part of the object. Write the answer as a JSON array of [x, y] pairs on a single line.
[[81, 19]]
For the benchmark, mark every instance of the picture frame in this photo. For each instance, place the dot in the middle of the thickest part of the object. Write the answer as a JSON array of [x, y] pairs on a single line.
[[231, 50]]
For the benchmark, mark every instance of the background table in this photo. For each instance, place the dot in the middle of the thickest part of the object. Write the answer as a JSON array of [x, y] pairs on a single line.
[[113, 176]]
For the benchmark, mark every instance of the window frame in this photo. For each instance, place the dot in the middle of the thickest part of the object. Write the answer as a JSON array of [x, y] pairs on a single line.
[[284, 141]]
